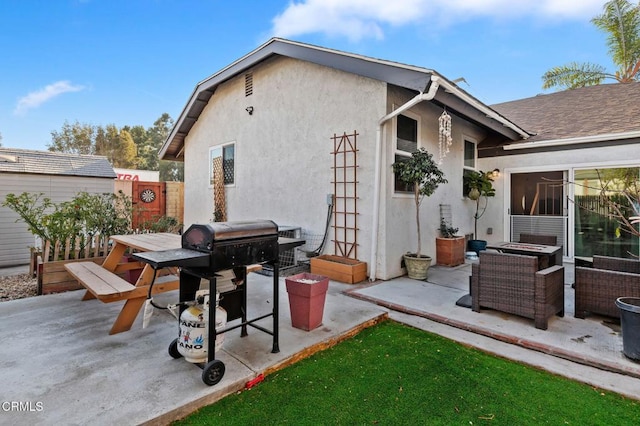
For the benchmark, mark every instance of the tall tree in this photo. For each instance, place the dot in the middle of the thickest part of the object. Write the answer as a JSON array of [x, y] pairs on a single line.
[[117, 145], [128, 147], [74, 138], [138, 133], [621, 21], [158, 134]]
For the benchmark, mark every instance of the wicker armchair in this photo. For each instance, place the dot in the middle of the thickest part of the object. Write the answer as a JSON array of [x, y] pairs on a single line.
[[597, 288], [512, 283]]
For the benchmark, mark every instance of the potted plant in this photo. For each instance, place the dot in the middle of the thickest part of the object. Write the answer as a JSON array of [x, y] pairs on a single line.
[[449, 246], [421, 172], [478, 186]]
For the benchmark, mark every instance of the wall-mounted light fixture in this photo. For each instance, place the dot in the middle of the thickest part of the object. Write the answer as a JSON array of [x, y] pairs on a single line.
[[249, 109], [495, 173]]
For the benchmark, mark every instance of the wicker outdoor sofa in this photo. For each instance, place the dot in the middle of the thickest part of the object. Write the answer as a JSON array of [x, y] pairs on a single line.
[[512, 283], [597, 288]]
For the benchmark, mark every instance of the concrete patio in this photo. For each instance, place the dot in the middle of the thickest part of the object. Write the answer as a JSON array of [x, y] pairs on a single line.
[[60, 362]]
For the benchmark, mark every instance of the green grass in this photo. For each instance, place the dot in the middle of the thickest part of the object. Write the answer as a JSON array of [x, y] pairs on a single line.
[[393, 374]]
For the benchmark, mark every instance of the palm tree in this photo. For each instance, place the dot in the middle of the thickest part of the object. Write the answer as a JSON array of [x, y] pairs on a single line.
[[621, 21]]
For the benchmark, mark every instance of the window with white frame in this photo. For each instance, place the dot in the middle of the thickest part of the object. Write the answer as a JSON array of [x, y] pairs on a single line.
[[470, 154], [470, 158], [406, 144], [223, 156]]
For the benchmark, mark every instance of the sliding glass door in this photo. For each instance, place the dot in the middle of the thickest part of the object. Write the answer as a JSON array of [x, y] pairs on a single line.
[[539, 205], [601, 198]]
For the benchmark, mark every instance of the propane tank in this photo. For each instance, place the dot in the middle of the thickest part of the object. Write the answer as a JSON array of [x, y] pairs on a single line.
[[193, 337]]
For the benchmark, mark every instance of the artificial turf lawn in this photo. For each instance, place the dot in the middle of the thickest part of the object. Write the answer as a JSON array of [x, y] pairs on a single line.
[[394, 374]]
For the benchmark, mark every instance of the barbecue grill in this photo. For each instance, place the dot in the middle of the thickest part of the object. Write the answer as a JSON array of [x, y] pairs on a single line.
[[211, 248]]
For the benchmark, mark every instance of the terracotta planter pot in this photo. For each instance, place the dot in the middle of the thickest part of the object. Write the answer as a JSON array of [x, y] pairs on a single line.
[[307, 294], [450, 251]]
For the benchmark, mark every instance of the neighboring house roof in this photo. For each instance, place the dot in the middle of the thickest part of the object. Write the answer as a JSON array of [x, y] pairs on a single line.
[[594, 113], [54, 163], [414, 78]]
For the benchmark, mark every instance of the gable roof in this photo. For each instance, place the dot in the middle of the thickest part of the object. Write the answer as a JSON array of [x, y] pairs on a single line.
[[411, 77], [588, 114], [54, 163]]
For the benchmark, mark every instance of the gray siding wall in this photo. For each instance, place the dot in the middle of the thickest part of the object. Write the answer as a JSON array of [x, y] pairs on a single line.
[[15, 239]]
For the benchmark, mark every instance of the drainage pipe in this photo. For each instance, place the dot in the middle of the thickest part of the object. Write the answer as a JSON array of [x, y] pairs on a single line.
[[450, 87], [421, 97]]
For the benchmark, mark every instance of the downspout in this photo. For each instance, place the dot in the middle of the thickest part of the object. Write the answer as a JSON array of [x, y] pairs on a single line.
[[452, 88], [421, 97]]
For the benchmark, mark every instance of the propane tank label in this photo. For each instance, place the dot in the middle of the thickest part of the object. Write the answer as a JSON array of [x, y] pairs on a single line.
[[192, 324]]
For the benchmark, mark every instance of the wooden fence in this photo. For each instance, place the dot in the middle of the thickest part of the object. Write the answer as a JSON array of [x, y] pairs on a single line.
[[79, 247], [48, 262]]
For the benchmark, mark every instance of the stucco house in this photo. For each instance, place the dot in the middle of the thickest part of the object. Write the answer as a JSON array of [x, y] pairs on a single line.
[[56, 175], [273, 121], [271, 115]]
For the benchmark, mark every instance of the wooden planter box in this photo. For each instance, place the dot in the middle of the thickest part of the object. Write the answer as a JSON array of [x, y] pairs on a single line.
[[450, 251], [338, 268]]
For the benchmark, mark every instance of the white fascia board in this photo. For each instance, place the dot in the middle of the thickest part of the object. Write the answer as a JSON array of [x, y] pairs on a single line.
[[573, 141]]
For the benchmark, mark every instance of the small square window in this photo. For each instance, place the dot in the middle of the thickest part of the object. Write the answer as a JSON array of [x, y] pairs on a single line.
[[469, 154], [407, 134], [406, 144], [223, 156]]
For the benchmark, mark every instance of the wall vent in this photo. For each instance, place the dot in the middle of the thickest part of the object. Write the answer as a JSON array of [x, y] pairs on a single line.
[[248, 84]]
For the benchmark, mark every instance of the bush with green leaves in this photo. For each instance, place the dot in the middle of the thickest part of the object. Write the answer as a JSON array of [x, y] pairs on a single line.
[[86, 214]]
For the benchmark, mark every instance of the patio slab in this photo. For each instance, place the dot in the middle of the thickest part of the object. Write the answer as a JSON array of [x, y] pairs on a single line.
[[59, 361]]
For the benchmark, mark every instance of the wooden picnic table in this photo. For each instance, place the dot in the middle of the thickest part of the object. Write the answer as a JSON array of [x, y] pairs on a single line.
[[103, 282]]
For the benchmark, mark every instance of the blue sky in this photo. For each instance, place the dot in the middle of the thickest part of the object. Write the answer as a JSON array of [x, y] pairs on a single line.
[[126, 62]]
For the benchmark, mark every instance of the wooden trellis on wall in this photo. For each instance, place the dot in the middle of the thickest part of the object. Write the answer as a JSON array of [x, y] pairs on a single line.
[[219, 200], [345, 189]]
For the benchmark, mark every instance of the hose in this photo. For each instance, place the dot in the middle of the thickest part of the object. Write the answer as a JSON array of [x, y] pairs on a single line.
[[318, 250]]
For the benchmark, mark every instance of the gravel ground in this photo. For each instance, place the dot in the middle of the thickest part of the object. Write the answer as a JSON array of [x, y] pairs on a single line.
[[17, 287]]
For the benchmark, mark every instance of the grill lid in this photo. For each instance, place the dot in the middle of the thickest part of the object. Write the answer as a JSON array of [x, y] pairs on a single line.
[[203, 237]]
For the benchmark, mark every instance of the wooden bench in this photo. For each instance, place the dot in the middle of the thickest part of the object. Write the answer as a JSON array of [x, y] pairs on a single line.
[[108, 287]]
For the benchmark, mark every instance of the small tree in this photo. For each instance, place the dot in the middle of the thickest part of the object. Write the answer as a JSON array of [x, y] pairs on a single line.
[[478, 185], [422, 173]]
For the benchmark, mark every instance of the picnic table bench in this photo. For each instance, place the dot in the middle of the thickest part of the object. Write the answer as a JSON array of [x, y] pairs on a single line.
[[109, 287], [103, 282]]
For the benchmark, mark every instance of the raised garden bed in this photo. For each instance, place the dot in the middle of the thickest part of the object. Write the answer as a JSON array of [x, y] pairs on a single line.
[[339, 268]]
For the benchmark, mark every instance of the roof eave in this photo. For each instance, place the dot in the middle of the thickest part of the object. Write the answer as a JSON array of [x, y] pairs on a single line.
[[410, 77]]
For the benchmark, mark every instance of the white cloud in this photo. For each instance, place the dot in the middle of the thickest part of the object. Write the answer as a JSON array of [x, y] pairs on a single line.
[[359, 19], [37, 98]]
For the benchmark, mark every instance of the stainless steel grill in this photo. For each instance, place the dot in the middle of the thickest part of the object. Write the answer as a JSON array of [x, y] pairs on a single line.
[[210, 248]]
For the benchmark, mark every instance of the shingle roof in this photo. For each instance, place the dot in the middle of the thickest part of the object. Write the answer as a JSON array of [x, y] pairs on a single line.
[[587, 111], [54, 163]]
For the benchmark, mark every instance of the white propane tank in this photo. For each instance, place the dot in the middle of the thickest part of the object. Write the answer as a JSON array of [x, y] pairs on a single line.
[[193, 337]]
